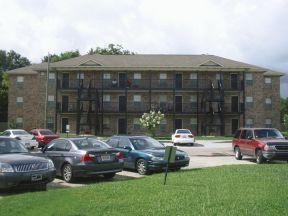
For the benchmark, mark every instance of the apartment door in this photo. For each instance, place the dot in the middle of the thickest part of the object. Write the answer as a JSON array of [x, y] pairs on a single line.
[[178, 81], [63, 125], [122, 103], [235, 125], [122, 80], [65, 80], [178, 103], [177, 124], [65, 103], [234, 104], [234, 81], [122, 127]]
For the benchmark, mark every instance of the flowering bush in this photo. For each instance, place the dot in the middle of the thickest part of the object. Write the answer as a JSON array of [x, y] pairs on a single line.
[[151, 120]]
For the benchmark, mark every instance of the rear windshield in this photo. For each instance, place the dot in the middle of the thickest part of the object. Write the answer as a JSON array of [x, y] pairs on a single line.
[[46, 132], [183, 131], [90, 144]]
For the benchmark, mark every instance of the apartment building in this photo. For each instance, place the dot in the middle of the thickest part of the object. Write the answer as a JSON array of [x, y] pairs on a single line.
[[107, 94]]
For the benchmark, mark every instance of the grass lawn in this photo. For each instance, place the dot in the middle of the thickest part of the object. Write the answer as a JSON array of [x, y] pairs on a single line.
[[227, 190]]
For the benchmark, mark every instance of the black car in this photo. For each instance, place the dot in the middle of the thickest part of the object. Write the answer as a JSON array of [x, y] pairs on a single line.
[[145, 154], [19, 168], [83, 157]]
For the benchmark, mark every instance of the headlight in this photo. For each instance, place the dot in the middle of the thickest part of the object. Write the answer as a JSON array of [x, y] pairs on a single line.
[[269, 147], [186, 155], [156, 158], [50, 164], [5, 167]]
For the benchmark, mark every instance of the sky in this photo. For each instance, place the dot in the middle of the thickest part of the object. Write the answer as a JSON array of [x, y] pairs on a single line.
[[250, 31]]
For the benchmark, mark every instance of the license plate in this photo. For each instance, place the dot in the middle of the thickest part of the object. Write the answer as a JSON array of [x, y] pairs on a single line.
[[36, 177], [105, 157]]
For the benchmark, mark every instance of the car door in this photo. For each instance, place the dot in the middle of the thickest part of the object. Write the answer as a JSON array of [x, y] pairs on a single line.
[[248, 142], [127, 150]]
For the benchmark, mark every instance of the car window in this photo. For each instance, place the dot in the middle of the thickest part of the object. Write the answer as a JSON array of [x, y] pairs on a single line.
[[243, 134], [237, 134], [90, 144], [247, 134], [113, 142], [141, 143], [46, 132], [59, 145], [6, 133], [183, 131], [20, 132], [11, 146], [124, 141]]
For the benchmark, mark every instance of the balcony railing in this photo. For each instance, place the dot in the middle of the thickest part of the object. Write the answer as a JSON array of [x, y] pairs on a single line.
[[140, 107], [146, 84]]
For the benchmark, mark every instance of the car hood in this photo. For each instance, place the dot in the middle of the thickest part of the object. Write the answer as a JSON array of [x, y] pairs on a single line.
[[20, 158], [159, 152], [275, 141]]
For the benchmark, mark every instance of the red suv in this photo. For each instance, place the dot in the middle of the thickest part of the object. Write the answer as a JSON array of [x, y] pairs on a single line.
[[43, 136], [261, 143]]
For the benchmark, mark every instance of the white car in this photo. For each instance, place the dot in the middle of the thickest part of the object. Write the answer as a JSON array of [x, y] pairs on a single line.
[[27, 139], [183, 136]]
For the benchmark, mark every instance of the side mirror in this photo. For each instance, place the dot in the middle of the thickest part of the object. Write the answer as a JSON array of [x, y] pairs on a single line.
[[128, 148]]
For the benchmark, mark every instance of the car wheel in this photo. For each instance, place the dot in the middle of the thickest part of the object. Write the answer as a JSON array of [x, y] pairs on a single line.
[[67, 173], [191, 144], [238, 154], [109, 175], [141, 166], [259, 157]]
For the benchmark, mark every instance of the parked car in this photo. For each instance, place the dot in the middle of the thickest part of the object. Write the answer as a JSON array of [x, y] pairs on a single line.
[[43, 136], [145, 154], [83, 157], [19, 168], [261, 143], [183, 136], [27, 139]]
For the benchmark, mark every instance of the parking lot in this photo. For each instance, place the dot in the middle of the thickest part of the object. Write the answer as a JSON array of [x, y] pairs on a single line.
[[202, 154]]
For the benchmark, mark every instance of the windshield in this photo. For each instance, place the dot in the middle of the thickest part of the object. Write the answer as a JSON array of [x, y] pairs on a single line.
[[141, 143], [20, 132], [11, 146], [268, 133], [90, 143]]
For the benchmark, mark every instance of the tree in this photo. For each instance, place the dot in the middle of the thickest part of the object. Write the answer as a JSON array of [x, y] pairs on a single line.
[[285, 121], [61, 56], [8, 61], [151, 120], [112, 49]]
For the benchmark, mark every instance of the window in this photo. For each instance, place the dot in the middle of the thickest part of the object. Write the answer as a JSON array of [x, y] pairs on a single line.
[[80, 76], [249, 102], [193, 123], [249, 122], [268, 80], [50, 123], [248, 78], [106, 98], [20, 79], [162, 80], [106, 123], [19, 122], [163, 125], [137, 102], [106, 102], [51, 98], [193, 80], [137, 75], [106, 76], [136, 123], [137, 78], [106, 79], [268, 123], [163, 102], [51, 76], [163, 76], [268, 103], [218, 76], [19, 101], [51, 101]]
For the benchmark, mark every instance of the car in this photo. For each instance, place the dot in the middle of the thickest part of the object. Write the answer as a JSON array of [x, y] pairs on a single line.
[[27, 139], [19, 168], [83, 157], [43, 136], [260, 143], [145, 154], [183, 136]]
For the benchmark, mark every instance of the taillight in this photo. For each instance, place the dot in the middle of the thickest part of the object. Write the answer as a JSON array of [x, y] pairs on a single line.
[[119, 155], [190, 135], [177, 136], [86, 158]]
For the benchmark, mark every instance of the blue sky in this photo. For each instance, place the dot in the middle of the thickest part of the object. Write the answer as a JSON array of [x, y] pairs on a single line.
[[254, 31]]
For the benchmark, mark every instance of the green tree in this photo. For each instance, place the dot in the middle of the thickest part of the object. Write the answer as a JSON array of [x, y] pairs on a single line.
[[8, 61], [112, 49], [151, 120], [61, 56]]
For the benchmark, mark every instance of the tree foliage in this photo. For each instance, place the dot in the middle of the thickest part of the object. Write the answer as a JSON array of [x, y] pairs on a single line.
[[112, 49], [61, 56], [151, 120]]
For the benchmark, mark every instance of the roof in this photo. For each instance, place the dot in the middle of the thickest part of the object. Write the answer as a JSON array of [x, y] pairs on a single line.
[[147, 63]]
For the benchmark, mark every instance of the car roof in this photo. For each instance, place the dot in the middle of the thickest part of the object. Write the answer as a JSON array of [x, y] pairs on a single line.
[[247, 128], [129, 136]]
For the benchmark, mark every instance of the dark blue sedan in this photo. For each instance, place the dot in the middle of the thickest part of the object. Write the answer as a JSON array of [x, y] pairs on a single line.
[[145, 154]]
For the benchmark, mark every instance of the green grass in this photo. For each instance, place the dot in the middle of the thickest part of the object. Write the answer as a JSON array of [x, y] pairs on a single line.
[[226, 190]]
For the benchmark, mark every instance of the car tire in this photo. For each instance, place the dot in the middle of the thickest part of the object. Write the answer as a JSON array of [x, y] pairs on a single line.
[[109, 175], [141, 167], [67, 173], [191, 144], [259, 157], [238, 153]]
